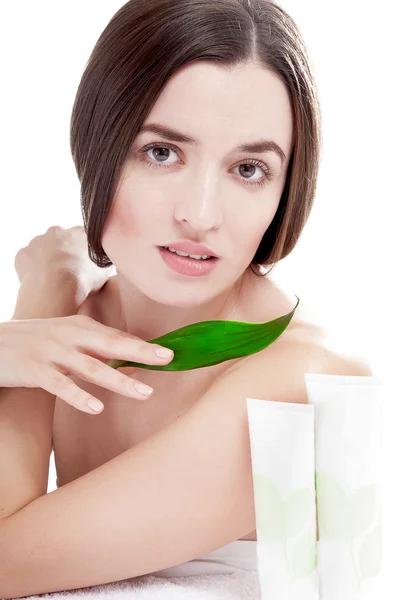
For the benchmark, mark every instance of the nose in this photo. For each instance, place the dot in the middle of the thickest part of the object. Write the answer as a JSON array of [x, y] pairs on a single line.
[[200, 205]]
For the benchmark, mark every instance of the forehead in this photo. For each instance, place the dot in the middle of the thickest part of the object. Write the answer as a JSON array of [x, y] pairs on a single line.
[[217, 104]]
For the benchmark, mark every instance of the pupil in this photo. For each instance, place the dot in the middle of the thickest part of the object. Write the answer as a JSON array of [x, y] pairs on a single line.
[[161, 154], [249, 168]]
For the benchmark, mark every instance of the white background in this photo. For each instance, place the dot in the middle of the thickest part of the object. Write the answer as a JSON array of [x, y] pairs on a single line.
[[343, 262]]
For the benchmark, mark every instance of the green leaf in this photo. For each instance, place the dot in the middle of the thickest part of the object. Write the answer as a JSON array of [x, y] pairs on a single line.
[[269, 509], [297, 510], [304, 554], [208, 343], [334, 508], [276, 519]]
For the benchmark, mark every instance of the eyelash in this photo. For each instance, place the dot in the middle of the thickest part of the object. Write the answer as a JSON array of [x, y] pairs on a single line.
[[250, 161]]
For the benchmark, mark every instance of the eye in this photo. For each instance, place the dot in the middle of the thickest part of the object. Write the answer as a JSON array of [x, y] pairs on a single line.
[[159, 152], [250, 162], [253, 162]]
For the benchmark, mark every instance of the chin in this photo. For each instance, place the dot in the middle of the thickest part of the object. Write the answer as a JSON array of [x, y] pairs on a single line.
[[176, 295]]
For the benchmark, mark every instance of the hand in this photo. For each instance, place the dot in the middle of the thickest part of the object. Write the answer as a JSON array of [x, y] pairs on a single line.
[[57, 251], [40, 353]]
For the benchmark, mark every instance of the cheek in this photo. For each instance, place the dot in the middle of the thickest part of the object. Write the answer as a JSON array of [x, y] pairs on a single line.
[[131, 220], [251, 234], [261, 224], [123, 221], [113, 232]]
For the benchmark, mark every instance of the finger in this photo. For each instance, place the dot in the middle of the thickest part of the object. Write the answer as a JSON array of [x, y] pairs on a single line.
[[59, 385], [111, 343], [92, 370]]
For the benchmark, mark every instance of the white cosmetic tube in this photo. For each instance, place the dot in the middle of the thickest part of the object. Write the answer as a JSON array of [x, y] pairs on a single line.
[[348, 428], [282, 455]]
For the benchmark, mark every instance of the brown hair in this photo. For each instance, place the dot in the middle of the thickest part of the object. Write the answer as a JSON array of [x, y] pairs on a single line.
[[143, 45]]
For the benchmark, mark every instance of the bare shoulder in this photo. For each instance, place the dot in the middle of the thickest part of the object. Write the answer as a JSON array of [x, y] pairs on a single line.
[[103, 306], [307, 346], [277, 373], [94, 304]]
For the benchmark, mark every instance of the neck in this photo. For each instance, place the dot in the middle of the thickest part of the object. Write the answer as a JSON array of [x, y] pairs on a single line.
[[139, 315]]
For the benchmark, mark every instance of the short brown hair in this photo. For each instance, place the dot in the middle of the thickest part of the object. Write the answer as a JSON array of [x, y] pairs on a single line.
[[143, 45]]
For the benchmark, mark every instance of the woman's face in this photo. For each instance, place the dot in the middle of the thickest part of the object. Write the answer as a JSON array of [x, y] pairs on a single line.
[[206, 191]]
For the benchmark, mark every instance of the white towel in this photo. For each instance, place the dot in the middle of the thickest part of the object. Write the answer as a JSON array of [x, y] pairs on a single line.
[[243, 585]]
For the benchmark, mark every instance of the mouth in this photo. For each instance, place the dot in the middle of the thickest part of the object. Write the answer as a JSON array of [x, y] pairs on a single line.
[[189, 256], [187, 265]]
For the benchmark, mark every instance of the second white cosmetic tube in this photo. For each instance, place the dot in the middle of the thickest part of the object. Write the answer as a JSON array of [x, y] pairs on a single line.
[[348, 457]]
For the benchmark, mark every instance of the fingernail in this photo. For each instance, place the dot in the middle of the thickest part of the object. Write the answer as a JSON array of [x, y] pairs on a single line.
[[144, 389], [95, 405], [163, 352]]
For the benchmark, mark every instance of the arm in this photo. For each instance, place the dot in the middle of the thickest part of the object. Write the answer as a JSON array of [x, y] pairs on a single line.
[[181, 493], [26, 415]]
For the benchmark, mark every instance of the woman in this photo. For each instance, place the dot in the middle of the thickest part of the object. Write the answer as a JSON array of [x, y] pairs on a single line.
[[195, 124]]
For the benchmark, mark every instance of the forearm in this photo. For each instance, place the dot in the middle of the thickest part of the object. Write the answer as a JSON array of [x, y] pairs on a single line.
[[26, 414]]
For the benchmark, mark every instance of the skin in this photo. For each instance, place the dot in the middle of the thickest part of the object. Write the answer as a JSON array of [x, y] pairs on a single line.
[[201, 197]]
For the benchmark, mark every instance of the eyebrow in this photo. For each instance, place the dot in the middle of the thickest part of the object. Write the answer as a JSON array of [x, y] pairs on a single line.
[[256, 147]]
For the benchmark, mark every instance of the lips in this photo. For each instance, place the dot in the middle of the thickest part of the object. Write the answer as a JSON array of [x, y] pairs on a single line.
[[187, 265]]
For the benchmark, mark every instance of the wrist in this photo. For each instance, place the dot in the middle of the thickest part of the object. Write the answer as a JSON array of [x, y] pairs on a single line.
[[56, 295]]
